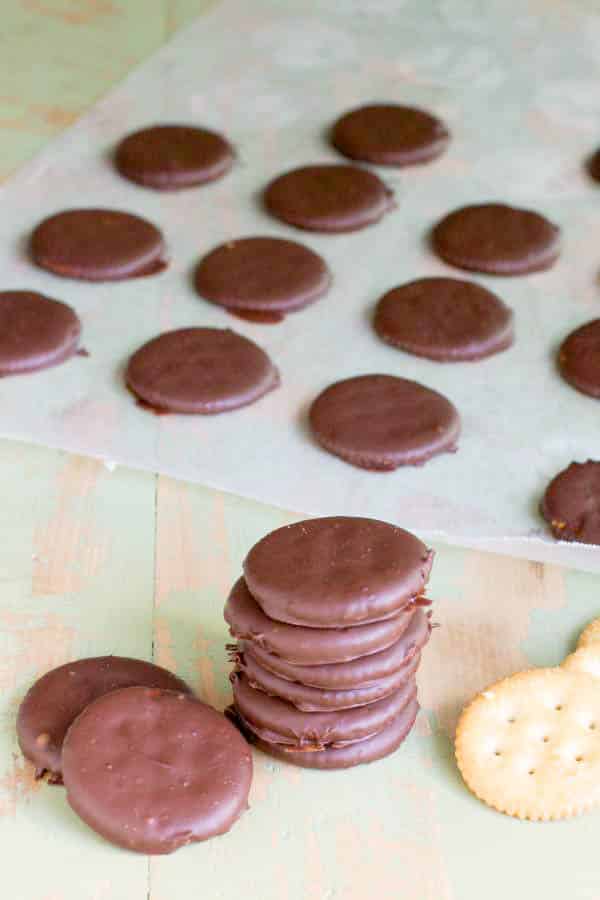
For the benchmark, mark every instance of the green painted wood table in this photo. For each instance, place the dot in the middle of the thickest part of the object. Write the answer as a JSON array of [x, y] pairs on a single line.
[[97, 561]]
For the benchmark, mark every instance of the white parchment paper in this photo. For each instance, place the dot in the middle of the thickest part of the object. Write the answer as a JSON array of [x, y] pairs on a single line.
[[517, 83]]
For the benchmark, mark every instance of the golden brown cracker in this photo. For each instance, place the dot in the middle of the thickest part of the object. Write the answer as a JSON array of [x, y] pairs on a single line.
[[529, 746], [590, 635], [586, 659]]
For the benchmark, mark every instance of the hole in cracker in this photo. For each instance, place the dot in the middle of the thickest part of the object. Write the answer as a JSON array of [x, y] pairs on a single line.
[[579, 759], [545, 739], [592, 726], [558, 707], [531, 772], [511, 720], [497, 753]]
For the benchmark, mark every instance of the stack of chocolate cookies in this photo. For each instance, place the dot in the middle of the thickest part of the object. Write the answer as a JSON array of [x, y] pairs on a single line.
[[330, 620]]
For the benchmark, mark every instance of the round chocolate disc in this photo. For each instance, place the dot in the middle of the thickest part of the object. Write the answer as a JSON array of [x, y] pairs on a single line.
[[311, 699], [593, 165], [579, 358], [154, 770], [390, 135], [328, 198], [571, 504], [380, 422], [35, 332], [444, 319], [279, 722], [356, 673], [306, 645], [368, 750], [337, 571], [170, 157], [262, 274], [98, 245], [498, 239], [200, 370], [57, 698]]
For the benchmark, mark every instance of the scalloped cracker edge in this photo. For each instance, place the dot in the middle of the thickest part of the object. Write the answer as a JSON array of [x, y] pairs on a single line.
[[585, 659], [590, 635]]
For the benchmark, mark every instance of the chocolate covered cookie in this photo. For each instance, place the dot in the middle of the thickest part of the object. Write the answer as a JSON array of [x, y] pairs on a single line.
[[200, 370], [571, 503], [593, 165], [328, 197], [357, 672], [498, 239], [368, 750], [57, 698], [153, 770], [309, 645], [311, 699], [337, 571], [380, 422], [279, 722], [445, 319], [579, 358], [262, 274], [35, 332], [171, 157], [388, 134], [98, 245]]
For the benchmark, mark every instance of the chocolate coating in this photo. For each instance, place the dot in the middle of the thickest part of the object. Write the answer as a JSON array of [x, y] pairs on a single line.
[[380, 422], [445, 319], [498, 239], [310, 699], [171, 157], [356, 673], [200, 370], [336, 571], [257, 316], [154, 770], [571, 504], [390, 135], [279, 722], [307, 645], [35, 332], [329, 198], [98, 245], [57, 698], [365, 751], [593, 165], [262, 274], [579, 358]]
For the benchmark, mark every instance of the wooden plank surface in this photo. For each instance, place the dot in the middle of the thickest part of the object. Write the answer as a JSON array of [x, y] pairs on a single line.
[[58, 56], [97, 561]]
